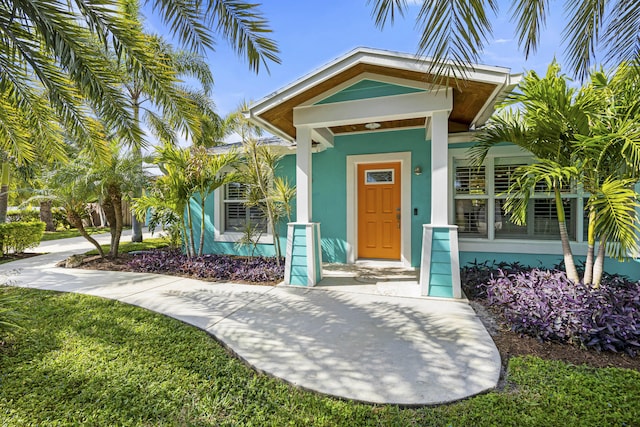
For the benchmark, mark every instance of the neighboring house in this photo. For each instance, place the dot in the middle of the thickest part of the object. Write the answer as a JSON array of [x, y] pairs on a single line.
[[378, 155]]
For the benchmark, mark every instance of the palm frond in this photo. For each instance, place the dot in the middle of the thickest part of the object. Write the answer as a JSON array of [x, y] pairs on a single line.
[[386, 10], [530, 17], [244, 27], [616, 205], [582, 33], [454, 34]]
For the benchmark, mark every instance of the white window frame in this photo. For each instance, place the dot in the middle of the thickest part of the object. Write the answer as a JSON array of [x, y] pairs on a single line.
[[490, 243], [220, 235]]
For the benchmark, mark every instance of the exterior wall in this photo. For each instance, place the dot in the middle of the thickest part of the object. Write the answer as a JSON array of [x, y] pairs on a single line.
[[630, 268], [330, 204], [330, 188]]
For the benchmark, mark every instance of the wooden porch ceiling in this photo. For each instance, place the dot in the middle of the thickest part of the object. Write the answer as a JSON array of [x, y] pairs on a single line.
[[468, 100]]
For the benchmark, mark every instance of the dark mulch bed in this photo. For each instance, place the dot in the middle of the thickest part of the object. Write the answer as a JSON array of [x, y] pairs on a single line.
[[16, 257], [512, 344], [131, 262], [509, 343]]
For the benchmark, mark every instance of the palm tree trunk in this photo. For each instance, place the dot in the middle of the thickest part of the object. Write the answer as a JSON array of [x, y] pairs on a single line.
[[569, 264], [46, 215], [116, 199], [109, 212], [191, 244], [202, 224], [598, 268], [76, 221], [591, 242], [136, 226], [4, 192]]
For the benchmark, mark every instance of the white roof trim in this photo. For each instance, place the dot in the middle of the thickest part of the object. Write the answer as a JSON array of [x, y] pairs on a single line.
[[475, 72]]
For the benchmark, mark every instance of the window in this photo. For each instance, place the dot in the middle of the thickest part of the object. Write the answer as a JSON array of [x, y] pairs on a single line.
[[480, 196], [379, 176], [236, 215]]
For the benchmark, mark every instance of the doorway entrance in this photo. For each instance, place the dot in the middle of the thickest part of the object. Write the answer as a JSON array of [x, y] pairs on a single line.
[[379, 210]]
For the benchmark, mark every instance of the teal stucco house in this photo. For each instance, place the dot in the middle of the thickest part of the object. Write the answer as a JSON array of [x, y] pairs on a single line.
[[378, 155]]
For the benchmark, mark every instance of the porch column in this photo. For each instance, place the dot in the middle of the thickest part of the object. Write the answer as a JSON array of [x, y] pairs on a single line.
[[440, 263], [303, 265], [303, 175]]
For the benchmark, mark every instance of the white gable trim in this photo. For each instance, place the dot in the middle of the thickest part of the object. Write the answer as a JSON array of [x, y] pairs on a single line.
[[395, 107], [474, 72]]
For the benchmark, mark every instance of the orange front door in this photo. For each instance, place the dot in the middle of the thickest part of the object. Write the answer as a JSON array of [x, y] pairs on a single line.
[[379, 210]]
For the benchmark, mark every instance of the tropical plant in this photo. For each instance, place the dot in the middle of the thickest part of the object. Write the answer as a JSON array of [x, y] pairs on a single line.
[[266, 191], [29, 133], [188, 174], [170, 193], [167, 107], [54, 43], [116, 180], [611, 166], [71, 187], [551, 114], [580, 137], [206, 173], [460, 30]]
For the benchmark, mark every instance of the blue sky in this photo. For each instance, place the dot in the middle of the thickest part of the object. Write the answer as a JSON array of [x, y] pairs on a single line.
[[311, 33]]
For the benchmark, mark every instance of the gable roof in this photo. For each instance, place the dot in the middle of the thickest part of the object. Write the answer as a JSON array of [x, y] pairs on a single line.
[[473, 99]]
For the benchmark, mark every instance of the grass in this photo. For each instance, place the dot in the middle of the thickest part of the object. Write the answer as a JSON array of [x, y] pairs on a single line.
[[71, 232], [83, 360], [146, 244]]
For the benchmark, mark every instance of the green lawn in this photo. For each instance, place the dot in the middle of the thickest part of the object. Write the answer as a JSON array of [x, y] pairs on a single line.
[[72, 232], [146, 244], [82, 360]]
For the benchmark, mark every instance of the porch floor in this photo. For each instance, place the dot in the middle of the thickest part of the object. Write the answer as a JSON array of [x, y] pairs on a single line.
[[372, 277]]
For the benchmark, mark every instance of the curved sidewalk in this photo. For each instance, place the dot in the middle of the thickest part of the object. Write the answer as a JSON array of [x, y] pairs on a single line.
[[370, 348]]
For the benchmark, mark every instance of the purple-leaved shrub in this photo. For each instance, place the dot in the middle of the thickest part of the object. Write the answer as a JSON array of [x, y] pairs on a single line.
[[216, 267], [546, 305]]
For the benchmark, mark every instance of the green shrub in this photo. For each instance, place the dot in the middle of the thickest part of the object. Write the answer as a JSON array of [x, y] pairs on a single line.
[[18, 236], [60, 218], [23, 215]]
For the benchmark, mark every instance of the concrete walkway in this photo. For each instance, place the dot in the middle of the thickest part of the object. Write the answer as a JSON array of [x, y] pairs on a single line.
[[370, 348]]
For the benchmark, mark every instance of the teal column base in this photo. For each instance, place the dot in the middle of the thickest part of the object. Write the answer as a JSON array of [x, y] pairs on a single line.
[[440, 263], [303, 265]]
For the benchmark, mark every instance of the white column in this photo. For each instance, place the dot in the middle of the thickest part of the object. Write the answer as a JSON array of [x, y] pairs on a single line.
[[303, 175], [439, 168]]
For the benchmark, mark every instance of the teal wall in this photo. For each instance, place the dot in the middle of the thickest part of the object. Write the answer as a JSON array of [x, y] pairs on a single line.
[[330, 188], [367, 89], [440, 278], [630, 268]]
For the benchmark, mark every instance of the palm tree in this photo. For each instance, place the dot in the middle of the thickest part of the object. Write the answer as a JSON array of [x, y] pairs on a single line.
[[116, 181], [459, 30], [29, 133], [552, 114], [70, 186], [54, 42], [271, 194], [206, 173], [588, 137], [610, 157]]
